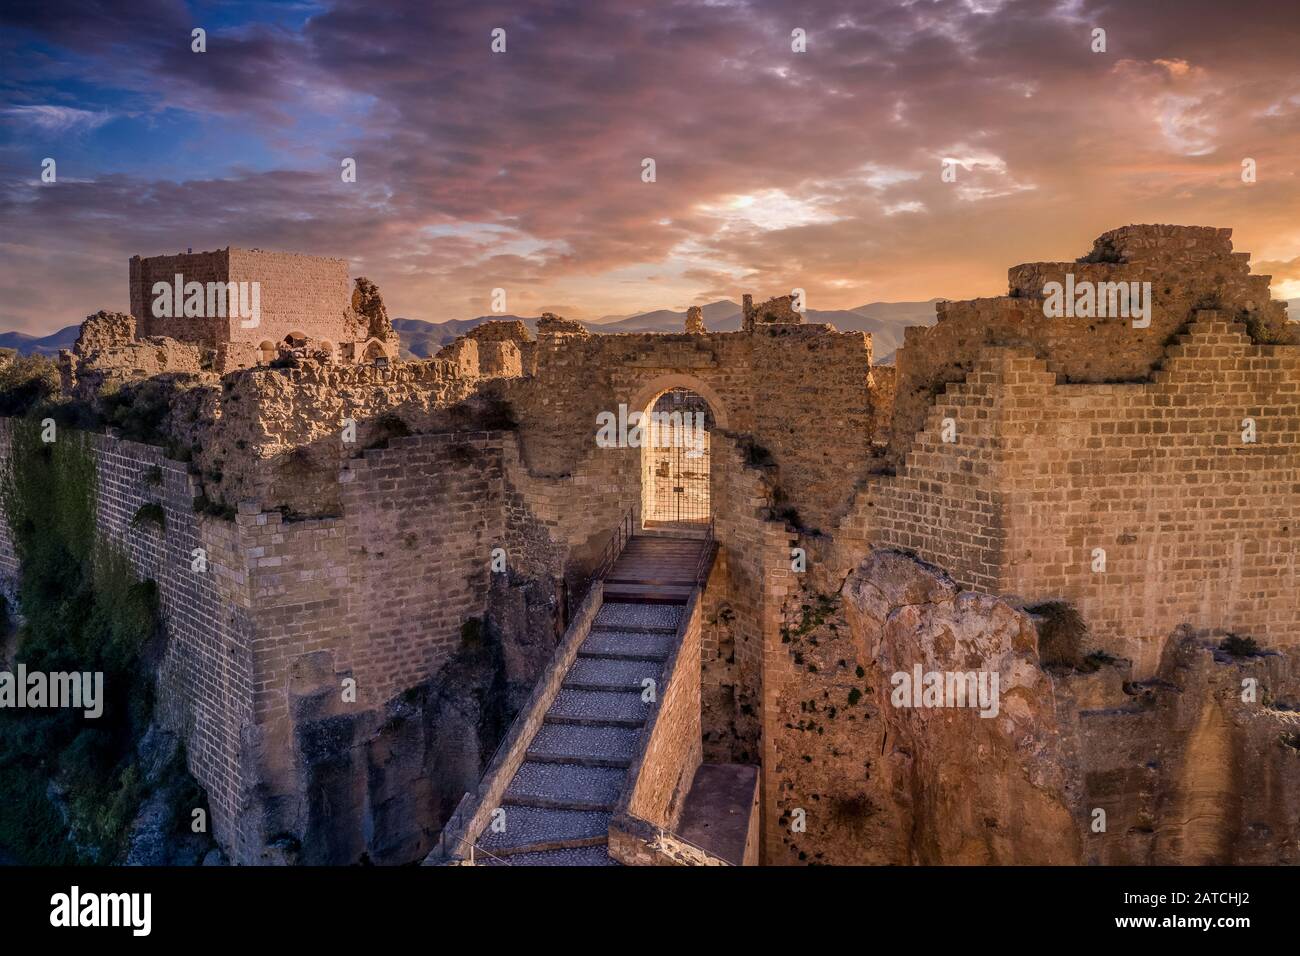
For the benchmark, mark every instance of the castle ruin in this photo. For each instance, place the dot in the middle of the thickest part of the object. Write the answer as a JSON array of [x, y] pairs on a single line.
[[447, 535]]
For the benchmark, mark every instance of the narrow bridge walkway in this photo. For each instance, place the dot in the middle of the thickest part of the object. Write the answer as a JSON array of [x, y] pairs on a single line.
[[559, 803]]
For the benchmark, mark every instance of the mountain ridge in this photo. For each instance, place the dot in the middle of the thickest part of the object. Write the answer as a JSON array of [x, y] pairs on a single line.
[[422, 338]]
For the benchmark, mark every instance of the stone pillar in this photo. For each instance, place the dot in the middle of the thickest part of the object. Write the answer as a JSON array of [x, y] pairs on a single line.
[[695, 320]]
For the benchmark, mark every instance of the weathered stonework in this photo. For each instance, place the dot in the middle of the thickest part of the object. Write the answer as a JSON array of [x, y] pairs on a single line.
[[349, 504]]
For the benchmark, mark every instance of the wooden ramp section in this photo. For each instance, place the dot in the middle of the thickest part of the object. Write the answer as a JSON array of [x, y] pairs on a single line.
[[656, 570]]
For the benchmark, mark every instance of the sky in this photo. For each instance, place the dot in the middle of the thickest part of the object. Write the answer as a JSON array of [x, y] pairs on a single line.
[[524, 170]]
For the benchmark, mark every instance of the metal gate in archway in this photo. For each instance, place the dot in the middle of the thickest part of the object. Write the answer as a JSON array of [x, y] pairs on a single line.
[[675, 454]]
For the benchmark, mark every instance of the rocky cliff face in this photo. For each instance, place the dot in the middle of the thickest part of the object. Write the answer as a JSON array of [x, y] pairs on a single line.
[[979, 784], [375, 786], [1198, 765]]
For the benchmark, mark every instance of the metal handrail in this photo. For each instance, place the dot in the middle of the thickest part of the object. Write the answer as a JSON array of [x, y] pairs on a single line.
[[706, 555], [622, 534], [488, 853]]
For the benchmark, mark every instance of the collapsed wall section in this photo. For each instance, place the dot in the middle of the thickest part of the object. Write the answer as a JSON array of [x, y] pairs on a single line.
[[1187, 267], [1187, 484]]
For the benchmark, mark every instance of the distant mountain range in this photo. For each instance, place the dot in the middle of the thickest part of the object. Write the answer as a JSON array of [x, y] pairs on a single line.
[[420, 339], [49, 345], [884, 320]]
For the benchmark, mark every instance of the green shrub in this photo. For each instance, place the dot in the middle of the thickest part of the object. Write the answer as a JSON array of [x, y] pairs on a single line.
[[151, 513], [27, 383], [1238, 646], [84, 610], [139, 412], [1062, 634]]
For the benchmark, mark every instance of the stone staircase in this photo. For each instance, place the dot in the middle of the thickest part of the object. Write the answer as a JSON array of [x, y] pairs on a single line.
[[559, 803]]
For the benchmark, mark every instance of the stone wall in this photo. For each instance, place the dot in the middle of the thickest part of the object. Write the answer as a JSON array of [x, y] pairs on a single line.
[[800, 392], [661, 774], [307, 294], [206, 678], [204, 267], [1189, 268], [1197, 525], [275, 435]]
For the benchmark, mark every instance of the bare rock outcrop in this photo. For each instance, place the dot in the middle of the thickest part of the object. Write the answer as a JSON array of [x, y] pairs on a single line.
[[369, 304], [552, 324], [1197, 765], [986, 784]]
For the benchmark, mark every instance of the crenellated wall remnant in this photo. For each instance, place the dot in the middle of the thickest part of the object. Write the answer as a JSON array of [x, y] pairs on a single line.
[[350, 504]]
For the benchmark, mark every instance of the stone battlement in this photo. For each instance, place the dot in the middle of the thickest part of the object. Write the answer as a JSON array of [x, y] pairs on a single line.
[[356, 515]]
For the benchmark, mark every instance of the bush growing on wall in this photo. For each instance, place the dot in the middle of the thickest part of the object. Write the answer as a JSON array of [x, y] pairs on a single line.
[[69, 784]]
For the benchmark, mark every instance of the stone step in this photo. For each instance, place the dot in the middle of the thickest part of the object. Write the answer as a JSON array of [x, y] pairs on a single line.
[[597, 708], [595, 674], [588, 746], [649, 593], [564, 787], [585, 856], [534, 829], [626, 645], [661, 618]]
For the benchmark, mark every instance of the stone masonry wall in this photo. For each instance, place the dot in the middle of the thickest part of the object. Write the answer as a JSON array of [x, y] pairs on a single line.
[[1189, 267], [664, 770], [205, 677], [385, 588], [799, 391], [1197, 525], [307, 294]]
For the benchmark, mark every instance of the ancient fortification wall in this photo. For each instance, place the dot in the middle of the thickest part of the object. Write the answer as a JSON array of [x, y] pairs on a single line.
[[1188, 267], [800, 392], [306, 294], [1196, 523], [207, 681], [1017, 445]]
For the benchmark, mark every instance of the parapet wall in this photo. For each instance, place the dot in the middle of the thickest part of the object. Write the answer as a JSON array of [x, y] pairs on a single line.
[[276, 435], [1197, 524], [1188, 267]]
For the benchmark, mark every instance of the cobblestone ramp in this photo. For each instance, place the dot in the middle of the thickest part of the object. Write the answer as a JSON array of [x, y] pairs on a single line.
[[558, 805]]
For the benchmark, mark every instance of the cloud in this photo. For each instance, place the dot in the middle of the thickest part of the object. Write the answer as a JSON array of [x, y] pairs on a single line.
[[522, 170], [56, 119]]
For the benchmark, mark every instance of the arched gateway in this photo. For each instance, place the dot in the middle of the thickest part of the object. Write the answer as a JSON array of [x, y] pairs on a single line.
[[675, 452]]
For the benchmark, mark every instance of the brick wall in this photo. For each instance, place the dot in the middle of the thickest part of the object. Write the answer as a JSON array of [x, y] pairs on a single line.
[[1197, 525], [801, 392], [385, 588], [307, 294], [202, 267], [205, 676], [661, 775], [1189, 267]]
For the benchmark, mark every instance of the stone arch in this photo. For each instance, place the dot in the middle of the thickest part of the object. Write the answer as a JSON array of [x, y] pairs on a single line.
[[266, 351], [676, 475], [295, 339], [646, 395], [374, 349]]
